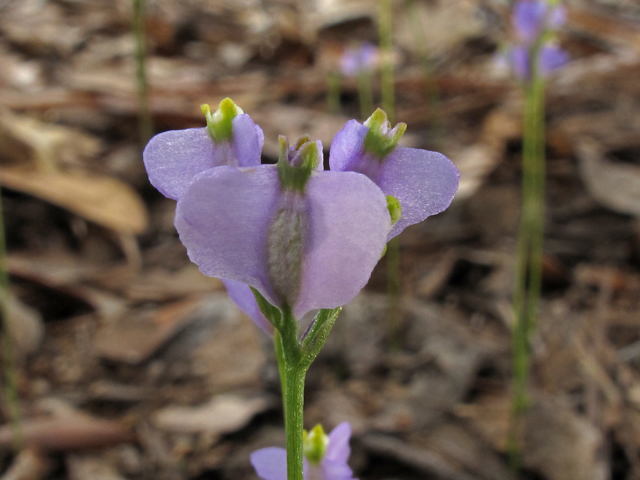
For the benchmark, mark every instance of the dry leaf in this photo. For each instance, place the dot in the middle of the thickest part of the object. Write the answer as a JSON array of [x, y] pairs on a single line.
[[100, 199]]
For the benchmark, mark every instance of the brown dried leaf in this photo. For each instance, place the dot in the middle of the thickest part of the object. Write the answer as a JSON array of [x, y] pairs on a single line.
[[100, 199], [616, 186]]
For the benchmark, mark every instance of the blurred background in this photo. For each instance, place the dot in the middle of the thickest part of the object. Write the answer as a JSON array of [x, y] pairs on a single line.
[[133, 365]]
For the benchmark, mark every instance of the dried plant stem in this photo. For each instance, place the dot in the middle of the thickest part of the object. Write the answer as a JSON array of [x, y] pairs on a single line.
[[9, 360], [145, 123], [528, 282]]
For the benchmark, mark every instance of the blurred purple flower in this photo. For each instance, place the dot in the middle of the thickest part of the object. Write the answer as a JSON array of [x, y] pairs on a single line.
[[174, 158], [531, 18], [423, 182], [271, 463], [358, 59], [550, 58], [303, 237]]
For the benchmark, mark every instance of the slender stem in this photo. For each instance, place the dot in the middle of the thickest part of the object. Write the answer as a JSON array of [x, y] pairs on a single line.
[[277, 340], [145, 123], [528, 282], [431, 86], [294, 419], [333, 92], [365, 95], [385, 33], [10, 367], [393, 288]]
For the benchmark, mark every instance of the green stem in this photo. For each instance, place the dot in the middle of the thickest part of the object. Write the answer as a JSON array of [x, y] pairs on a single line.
[[431, 86], [277, 340], [10, 367], [365, 95], [145, 123], [393, 287], [333, 92], [528, 282], [294, 419], [385, 33]]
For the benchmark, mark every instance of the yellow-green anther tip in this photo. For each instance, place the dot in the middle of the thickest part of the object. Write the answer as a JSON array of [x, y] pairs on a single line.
[[205, 109], [314, 444]]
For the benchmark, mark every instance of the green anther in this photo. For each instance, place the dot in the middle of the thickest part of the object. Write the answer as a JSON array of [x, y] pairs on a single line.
[[314, 444], [219, 122], [295, 165], [381, 139], [395, 209]]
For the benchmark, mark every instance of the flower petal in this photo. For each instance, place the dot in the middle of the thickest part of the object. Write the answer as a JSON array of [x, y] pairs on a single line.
[[173, 158], [347, 147], [424, 182], [270, 463], [528, 19], [223, 219], [338, 449], [243, 297], [551, 58], [332, 470], [349, 223], [248, 140]]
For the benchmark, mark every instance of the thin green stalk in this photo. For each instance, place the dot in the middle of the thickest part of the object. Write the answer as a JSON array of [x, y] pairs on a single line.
[[9, 360], [333, 92], [431, 86], [385, 33], [365, 95], [145, 123], [393, 288], [294, 419], [277, 340], [528, 282]]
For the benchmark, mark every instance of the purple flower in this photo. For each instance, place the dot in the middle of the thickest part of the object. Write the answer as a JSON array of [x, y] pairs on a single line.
[[325, 457], [423, 182], [550, 58], [304, 238], [174, 158], [358, 59], [531, 18], [243, 297]]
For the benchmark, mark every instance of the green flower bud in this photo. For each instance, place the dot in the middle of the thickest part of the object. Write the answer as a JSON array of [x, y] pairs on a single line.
[[296, 164], [381, 139], [395, 209], [219, 122], [314, 444]]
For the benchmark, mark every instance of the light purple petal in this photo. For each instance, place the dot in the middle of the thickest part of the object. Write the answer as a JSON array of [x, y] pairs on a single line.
[[173, 158], [243, 297], [270, 463], [248, 140], [424, 182], [332, 470], [557, 17], [223, 218], [347, 149], [349, 223], [551, 58], [338, 449], [528, 19]]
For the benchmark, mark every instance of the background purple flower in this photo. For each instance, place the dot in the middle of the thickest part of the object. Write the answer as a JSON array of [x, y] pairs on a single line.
[[358, 59], [271, 463], [531, 18]]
